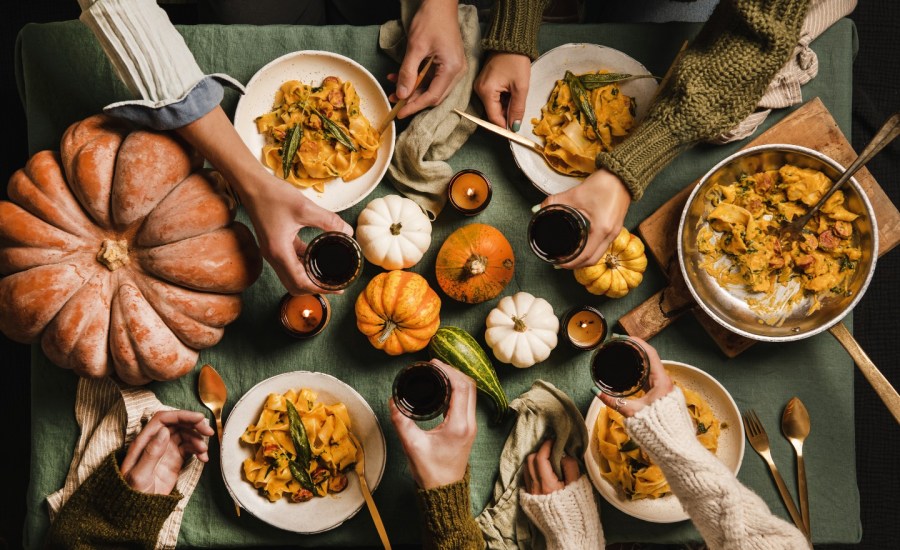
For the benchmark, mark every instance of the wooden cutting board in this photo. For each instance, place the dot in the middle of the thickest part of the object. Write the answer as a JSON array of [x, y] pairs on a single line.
[[811, 126]]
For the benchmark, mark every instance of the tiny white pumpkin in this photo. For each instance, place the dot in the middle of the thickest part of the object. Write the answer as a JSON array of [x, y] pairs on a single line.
[[393, 232], [522, 330]]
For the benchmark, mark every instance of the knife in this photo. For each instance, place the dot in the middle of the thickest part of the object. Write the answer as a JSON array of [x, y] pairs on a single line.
[[508, 134]]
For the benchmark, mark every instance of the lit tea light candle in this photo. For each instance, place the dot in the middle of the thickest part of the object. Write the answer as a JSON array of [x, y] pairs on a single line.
[[584, 327], [469, 192], [304, 316]]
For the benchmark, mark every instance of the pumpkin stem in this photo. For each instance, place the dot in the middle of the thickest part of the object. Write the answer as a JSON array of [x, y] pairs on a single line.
[[475, 265], [396, 227], [612, 261], [389, 327], [519, 325], [113, 254]]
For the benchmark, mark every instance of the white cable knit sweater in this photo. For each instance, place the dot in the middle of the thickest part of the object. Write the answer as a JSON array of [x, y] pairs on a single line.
[[727, 514]]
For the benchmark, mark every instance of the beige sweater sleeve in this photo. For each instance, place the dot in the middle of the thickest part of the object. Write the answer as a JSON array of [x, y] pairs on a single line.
[[726, 513], [568, 518], [148, 54]]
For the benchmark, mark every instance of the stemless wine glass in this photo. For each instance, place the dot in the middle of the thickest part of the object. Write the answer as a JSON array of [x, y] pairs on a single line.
[[620, 366], [421, 391], [333, 260], [558, 233]]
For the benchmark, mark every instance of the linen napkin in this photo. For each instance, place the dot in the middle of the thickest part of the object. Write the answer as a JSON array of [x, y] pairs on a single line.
[[418, 169], [801, 67], [544, 411], [109, 417]]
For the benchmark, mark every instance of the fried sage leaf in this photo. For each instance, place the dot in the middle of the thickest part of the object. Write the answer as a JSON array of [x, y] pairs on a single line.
[[301, 475], [298, 435], [594, 81], [580, 97], [336, 131], [289, 148]]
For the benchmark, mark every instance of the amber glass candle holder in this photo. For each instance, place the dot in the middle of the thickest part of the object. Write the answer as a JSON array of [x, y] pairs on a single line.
[[469, 192], [304, 316], [558, 233], [620, 367], [584, 327], [333, 260]]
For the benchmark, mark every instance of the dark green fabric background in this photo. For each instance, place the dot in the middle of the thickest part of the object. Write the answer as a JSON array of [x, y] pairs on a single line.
[[64, 76]]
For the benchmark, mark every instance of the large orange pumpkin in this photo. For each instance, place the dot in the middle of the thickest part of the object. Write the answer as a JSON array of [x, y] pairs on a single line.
[[120, 254], [475, 264], [398, 312]]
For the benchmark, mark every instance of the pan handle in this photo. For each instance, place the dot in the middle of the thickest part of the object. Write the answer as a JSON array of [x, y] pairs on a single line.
[[880, 384]]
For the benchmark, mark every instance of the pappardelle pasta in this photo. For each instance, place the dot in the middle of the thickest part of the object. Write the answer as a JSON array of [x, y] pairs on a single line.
[[302, 447], [624, 464], [316, 134], [577, 122], [744, 227]]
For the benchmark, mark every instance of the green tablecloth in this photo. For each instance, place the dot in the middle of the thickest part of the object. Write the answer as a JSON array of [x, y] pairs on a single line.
[[64, 76]]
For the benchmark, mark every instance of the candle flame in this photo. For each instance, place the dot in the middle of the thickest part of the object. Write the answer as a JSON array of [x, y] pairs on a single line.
[[306, 313]]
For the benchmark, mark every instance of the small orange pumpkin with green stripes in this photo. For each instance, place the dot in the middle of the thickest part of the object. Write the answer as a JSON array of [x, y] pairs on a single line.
[[475, 263]]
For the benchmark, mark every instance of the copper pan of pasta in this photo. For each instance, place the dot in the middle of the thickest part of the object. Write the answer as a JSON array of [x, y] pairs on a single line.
[[749, 278]]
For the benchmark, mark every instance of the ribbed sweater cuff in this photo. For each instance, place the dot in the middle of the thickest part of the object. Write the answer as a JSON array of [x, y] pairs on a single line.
[[665, 430], [514, 27], [643, 154], [448, 516], [114, 499], [568, 517]]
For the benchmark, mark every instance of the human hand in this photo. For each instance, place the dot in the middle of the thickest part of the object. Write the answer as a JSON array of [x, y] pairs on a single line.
[[440, 456], [604, 200], [277, 209], [659, 385], [156, 456], [433, 32], [504, 78], [540, 479], [278, 212]]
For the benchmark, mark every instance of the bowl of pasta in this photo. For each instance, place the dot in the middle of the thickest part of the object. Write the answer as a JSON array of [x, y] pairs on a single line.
[[311, 117], [577, 106], [623, 473], [752, 279], [287, 456]]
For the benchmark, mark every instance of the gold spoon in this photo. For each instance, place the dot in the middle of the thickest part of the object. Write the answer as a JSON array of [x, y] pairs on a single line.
[[213, 394], [360, 468], [795, 425]]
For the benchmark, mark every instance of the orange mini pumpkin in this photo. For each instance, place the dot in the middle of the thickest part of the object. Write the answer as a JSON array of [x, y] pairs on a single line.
[[475, 263], [120, 255], [398, 312]]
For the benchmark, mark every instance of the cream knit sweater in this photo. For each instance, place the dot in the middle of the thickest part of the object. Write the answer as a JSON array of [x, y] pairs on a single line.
[[727, 514]]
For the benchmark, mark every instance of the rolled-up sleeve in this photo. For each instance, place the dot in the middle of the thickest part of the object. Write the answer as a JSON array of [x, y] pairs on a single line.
[[152, 59]]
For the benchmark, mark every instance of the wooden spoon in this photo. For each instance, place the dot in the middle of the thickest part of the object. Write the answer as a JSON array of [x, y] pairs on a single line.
[[213, 394]]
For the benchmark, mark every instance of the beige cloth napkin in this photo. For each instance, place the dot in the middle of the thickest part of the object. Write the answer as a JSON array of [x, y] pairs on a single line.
[[544, 411], [803, 66], [109, 417], [418, 169]]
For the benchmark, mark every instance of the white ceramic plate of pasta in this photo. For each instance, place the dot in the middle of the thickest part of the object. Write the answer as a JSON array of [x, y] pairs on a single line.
[[311, 67], [730, 451], [580, 58], [320, 513]]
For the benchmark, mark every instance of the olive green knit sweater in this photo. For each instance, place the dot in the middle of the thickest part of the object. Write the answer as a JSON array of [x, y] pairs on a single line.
[[105, 512], [449, 524], [717, 83]]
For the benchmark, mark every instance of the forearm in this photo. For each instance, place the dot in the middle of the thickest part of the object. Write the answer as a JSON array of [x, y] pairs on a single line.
[[449, 524], [716, 84], [106, 513], [514, 27], [726, 513]]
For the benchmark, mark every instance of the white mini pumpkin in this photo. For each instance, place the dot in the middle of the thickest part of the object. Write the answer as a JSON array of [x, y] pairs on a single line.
[[522, 330], [393, 232]]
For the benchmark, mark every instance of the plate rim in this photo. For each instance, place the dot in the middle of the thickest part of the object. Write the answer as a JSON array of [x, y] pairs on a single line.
[[514, 147], [303, 373], [391, 129], [597, 480]]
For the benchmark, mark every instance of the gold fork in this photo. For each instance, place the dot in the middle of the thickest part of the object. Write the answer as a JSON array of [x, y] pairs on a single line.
[[756, 435]]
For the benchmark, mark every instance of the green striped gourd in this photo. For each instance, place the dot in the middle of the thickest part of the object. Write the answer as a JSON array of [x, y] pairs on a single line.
[[458, 348]]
